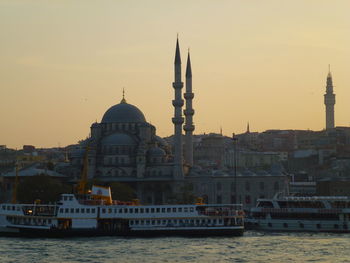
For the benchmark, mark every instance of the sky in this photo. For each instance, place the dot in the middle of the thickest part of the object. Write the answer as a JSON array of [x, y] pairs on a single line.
[[63, 63]]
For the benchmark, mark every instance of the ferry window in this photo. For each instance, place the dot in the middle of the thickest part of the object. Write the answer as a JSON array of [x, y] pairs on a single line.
[[158, 222], [147, 210], [83, 210], [147, 222], [87, 210], [77, 210], [141, 210], [152, 210], [4, 207], [93, 210], [136, 222], [142, 222], [120, 211], [220, 221], [318, 226], [163, 210], [158, 210], [153, 222], [336, 226], [67, 210], [109, 210], [214, 221], [9, 208], [180, 209], [301, 225], [136, 210], [164, 222], [65, 198], [72, 210], [269, 225], [13, 208], [180, 221], [44, 221], [185, 209], [49, 221], [131, 210], [71, 198], [61, 210], [285, 225], [191, 209], [131, 222], [125, 210], [169, 209], [197, 221], [103, 210]]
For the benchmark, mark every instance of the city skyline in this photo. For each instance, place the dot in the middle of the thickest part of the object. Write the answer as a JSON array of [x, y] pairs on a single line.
[[62, 65]]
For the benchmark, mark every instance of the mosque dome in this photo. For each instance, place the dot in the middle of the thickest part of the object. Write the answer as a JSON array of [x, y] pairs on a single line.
[[118, 139], [156, 151], [123, 112]]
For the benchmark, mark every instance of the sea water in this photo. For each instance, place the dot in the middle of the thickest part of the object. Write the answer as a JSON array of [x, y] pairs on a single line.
[[252, 247]]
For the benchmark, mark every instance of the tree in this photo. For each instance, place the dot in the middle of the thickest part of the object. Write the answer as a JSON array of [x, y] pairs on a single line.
[[42, 187], [122, 192]]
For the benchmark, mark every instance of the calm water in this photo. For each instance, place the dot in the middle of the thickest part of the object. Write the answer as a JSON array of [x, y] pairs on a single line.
[[252, 247]]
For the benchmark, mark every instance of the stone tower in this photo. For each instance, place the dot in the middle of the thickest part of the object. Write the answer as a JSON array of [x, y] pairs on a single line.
[[189, 112], [178, 119], [329, 101]]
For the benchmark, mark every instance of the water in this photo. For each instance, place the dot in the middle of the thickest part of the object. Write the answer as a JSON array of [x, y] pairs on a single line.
[[252, 247]]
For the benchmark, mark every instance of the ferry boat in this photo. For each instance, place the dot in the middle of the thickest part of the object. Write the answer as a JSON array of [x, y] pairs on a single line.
[[96, 214], [291, 213]]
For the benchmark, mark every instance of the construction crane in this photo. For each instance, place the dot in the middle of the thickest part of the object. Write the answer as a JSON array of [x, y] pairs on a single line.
[[83, 180]]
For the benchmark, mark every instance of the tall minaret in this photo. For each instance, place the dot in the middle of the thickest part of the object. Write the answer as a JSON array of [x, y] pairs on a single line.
[[189, 112], [329, 101], [178, 119]]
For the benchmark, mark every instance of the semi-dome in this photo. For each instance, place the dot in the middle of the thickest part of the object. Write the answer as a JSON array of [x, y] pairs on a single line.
[[118, 139], [156, 151], [123, 112]]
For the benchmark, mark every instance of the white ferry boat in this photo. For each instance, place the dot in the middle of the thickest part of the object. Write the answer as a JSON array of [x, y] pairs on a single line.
[[96, 214], [317, 214]]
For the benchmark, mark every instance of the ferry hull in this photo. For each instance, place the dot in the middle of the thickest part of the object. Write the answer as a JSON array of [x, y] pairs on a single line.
[[56, 233], [297, 226]]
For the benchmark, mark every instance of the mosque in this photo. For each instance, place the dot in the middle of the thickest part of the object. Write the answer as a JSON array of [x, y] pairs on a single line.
[[124, 147]]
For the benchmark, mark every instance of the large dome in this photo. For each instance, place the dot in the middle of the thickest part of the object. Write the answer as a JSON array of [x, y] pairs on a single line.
[[123, 112]]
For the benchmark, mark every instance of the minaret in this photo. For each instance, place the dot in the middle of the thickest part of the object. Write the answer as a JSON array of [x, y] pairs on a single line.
[[329, 101], [178, 119], [189, 112]]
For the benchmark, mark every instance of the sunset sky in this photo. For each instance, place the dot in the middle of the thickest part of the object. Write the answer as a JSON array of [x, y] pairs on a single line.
[[64, 63]]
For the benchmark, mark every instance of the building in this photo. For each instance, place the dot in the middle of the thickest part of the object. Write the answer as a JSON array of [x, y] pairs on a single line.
[[124, 147]]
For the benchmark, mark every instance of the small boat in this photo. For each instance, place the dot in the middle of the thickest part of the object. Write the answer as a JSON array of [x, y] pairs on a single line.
[[292, 213], [95, 214]]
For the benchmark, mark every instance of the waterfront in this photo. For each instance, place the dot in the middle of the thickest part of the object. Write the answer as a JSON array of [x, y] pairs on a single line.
[[252, 247]]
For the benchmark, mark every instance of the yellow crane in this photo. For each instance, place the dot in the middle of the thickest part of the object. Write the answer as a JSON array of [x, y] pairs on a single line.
[[83, 180]]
